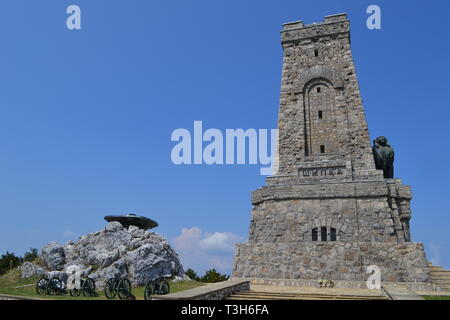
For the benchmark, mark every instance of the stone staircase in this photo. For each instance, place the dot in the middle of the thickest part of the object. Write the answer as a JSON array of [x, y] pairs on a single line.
[[440, 277], [261, 295]]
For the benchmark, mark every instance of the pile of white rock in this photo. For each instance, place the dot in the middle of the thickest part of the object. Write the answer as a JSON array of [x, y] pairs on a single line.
[[134, 253]]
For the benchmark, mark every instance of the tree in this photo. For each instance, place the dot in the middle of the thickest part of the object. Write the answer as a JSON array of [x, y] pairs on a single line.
[[9, 261], [192, 274], [213, 276], [31, 255]]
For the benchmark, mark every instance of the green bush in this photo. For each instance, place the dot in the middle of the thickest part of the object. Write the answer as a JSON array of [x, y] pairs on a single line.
[[210, 276], [9, 261], [213, 276]]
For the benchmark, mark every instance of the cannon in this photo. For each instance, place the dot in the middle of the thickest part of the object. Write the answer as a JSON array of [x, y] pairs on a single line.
[[50, 286], [159, 286], [87, 289], [53, 285], [117, 286]]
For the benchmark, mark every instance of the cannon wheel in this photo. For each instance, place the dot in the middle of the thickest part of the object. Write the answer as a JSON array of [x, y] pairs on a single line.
[[164, 287], [74, 292], [88, 288], [149, 290], [49, 287], [41, 286], [54, 287], [110, 290], [124, 289]]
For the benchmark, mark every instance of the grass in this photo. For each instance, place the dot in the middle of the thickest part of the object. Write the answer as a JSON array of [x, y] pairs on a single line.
[[12, 284], [436, 297]]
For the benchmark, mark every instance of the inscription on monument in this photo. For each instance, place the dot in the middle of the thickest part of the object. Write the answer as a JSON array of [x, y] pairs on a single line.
[[321, 172]]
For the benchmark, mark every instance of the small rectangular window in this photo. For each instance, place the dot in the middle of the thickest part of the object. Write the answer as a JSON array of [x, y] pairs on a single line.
[[316, 53], [332, 234], [322, 149], [320, 114], [318, 90], [314, 234], [323, 234]]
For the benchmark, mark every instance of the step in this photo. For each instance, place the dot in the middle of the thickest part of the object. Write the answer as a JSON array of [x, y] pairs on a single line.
[[301, 297], [401, 293], [298, 298], [238, 297], [299, 294], [439, 278], [442, 277], [441, 281], [430, 265], [443, 273], [440, 274], [255, 295], [436, 268], [445, 289]]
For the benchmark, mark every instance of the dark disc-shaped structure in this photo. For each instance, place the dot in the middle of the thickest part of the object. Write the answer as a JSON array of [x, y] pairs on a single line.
[[133, 220]]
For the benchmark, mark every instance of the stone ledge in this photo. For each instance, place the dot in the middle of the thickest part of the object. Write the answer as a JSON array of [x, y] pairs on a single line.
[[213, 291], [298, 25], [414, 286], [297, 31], [336, 17], [13, 297], [400, 293], [328, 190]]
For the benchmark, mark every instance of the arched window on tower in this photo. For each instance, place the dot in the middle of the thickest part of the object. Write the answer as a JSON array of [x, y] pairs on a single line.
[[319, 118]]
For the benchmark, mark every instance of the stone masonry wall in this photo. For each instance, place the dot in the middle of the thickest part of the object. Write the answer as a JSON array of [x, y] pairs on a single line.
[[293, 220], [363, 211], [319, 56], [340, 261]]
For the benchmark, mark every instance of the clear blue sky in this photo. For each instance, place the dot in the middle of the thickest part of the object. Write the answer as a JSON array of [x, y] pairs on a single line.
[[86, 116]]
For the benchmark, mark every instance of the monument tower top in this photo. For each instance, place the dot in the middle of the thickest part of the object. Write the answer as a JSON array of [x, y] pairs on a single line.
[[321, 117], [335, 18]]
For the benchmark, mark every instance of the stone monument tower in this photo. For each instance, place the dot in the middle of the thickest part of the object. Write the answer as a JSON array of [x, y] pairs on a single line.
[[328, 212]]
